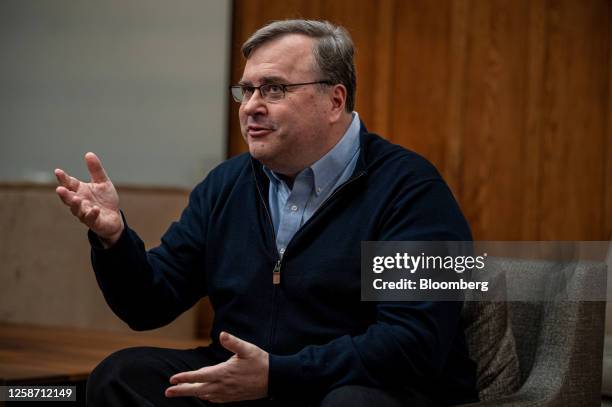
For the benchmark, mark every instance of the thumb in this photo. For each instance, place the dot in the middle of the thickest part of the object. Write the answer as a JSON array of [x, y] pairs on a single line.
[[233, 344]]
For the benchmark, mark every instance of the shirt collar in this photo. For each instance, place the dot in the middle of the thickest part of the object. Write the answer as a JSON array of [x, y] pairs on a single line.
[[329, 167]]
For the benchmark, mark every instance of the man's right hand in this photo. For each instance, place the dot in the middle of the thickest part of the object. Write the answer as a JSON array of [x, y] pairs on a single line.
[[95, 203]]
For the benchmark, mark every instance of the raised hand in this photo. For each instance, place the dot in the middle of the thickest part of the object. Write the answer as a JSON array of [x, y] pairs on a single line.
[[95, 203]]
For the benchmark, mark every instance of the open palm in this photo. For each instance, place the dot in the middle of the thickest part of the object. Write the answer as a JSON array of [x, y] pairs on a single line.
[[95, 203]]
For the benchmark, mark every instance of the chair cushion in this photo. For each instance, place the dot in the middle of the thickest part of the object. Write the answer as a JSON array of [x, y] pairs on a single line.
[[491, 345]]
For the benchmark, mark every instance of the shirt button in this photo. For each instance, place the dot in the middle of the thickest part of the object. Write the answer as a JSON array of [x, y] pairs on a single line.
[[282, 250], [294, 208], [318, 190]]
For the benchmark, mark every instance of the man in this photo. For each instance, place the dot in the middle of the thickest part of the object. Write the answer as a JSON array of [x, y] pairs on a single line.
[[273, 238]]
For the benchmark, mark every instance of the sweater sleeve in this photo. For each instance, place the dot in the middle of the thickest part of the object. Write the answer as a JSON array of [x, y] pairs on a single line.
[[409, 342], [150, 289]]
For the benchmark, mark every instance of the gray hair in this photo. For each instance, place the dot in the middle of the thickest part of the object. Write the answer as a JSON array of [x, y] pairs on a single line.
[[333, 50]]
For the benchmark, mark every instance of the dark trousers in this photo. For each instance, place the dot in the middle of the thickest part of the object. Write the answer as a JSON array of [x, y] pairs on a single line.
[[139, 377]]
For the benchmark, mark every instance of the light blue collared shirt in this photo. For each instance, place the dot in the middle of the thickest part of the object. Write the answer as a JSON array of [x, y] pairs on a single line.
[[292, 207]]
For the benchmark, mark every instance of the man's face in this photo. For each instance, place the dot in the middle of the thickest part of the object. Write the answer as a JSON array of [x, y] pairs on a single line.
[[289, 134]]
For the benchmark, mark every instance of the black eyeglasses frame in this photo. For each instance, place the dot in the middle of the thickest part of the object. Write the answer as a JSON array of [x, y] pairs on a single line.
[[238, 91]]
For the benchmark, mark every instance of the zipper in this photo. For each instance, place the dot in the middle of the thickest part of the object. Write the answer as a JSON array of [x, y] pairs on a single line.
[[276, 272], [277, 266]]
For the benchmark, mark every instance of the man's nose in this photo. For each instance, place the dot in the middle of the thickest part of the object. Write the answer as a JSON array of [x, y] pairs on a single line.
[[255, 104]]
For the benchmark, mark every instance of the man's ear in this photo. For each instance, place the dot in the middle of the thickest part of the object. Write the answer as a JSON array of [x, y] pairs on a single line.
[[338, 101]]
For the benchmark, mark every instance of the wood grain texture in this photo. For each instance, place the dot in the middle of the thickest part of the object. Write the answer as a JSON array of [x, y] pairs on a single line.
[[384, 43], [30, 353], [455, 102], [509, 99], [421, 72], [574, 115], [607, 153], [493, 168], [531, 138]]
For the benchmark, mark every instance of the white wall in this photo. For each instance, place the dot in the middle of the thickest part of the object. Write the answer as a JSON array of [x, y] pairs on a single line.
[[143, 83]]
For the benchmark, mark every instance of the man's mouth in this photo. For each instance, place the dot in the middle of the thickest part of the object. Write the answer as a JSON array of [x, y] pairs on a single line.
[[258, 131]]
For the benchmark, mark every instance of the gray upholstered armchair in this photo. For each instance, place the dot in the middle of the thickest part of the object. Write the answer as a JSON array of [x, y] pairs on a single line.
[[559, 346]]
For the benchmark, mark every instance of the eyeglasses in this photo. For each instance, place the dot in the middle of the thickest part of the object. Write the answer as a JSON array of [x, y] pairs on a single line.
[[270, 92]]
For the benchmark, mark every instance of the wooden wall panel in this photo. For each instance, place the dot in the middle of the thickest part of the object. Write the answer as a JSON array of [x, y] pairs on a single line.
[[574, 119], [453, 162], [608, 147], [532, 110], [493, 166], [421, 51], [509, 99], [382, 88]]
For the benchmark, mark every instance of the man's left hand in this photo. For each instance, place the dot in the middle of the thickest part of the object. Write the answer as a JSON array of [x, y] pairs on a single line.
[[244, 376]]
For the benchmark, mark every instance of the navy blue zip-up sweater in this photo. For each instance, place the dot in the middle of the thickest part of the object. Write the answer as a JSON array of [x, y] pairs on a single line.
[[317, 331]]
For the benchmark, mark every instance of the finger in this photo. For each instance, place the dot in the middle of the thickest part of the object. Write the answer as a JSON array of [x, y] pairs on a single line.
[[69, 198], [235, 344], [94, 166], [65, 195], [79, 207], [66, 180], [213, 388], [185, 390], [206, 374]]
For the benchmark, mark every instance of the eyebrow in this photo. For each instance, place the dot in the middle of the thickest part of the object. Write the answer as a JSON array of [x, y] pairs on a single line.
[[264, 80]]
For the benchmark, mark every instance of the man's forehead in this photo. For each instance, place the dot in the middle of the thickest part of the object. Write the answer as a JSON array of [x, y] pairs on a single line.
[[280, 59]]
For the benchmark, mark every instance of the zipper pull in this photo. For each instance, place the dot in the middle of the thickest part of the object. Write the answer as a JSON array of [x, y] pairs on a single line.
[[276, 273]]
